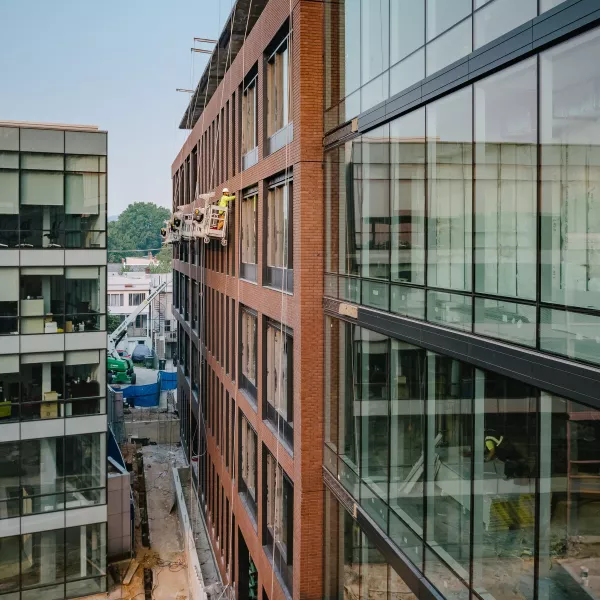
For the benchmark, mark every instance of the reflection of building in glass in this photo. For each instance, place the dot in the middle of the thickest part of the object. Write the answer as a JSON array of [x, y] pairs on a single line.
[[461, 394], [53, 515]]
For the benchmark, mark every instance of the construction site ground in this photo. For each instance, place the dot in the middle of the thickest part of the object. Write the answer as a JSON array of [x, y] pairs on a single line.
[[165, 556]]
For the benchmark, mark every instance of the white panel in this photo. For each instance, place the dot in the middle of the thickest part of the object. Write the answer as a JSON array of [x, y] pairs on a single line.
[[86, 516], [81, 142], [82, 273], [10, 258], [43, 522], [86, 340], [42, 140], [9, 138], [10, 527], [32, 430], [85, 257], [42, 271], [42, 189], [9, 284], [92, 424], [9, 344], [49, 258], [9, 192], [83, 357], [43, 342], [42, 357], [9, 432], [9, 363]]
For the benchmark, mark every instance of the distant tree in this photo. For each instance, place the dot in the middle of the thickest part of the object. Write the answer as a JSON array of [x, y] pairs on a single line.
[[113, 322], [137, 228], [165, 261]]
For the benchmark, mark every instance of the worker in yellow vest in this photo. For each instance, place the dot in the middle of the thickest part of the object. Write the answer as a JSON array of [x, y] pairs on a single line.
[[499, 447], [226, 198]]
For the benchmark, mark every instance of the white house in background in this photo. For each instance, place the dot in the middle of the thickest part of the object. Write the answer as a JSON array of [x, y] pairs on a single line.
[[125, 292], [154, 326]]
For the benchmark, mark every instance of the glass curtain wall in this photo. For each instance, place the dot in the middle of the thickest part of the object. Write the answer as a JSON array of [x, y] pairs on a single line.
[[375, 49], [54, 564], [482, 481], [479, 211], [52, 189]]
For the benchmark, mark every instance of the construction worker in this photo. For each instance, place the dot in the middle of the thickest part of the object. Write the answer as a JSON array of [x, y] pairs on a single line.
[[498, 446], [224, 202]]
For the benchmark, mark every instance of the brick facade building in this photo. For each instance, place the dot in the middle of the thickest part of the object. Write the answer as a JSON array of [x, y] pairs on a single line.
[[251, 408]]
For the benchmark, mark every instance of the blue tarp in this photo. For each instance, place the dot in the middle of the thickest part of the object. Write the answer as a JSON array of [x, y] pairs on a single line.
[[167, 380], [113, 449], [142, 395]]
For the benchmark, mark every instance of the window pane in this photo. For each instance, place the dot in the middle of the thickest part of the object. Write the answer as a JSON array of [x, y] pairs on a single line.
[[85, 551], [373, 394], [374, 39], [9, 195], [407, 24], [449, 447], [42, 162], [407, 440], [248, 241], [571, 173], [348, 376], [506, 182], [42, 188], [42, 560], [444, 579], [449, 131], [372, 185], [570, 334], [374, 92], [9, 564], [451, 310], [407, 72], [506, 320], [82, 142], [408, 302], [500, 17], [373, 572], [569, 501], [407, 148], [451, 46], [506, 457], [352, 28], [442, 14], [376, 294]]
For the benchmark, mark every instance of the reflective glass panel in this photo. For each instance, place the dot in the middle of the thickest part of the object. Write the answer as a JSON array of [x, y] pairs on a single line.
[[451, 46], [407, 28], [407, 150], [506, 458], [408, 301], [371, 157], [569, 500], [449, 149], [407, 72], [442, 14], [499, 17], [407, 440], [448, 469], [375, 31], [506, 320], [506, 182], [372, 351], [451, 310], [570, 154], [570, 334]]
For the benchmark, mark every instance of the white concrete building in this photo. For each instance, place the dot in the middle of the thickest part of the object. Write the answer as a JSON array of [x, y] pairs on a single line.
[[53, 429]]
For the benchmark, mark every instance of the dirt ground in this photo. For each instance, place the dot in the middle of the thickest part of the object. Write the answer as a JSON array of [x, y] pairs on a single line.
[[165, 556]]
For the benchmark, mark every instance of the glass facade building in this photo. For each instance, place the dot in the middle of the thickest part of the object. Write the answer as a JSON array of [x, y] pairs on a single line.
[[53, 511], [462, 272]]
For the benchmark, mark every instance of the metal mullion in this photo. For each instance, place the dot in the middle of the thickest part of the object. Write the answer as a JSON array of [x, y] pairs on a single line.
[[538, 285]]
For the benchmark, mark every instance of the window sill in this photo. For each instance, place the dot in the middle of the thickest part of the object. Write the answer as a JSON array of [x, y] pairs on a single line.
[[281, 138], [250, 158], [250, 507], [289, 448]]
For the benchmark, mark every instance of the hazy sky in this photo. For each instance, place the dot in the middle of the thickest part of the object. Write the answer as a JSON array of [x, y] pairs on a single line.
[[114, 64]]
